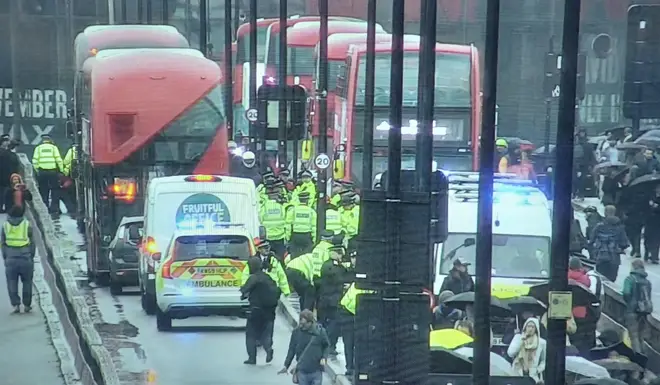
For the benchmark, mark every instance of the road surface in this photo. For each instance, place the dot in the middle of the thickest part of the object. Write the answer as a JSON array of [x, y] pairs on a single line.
[[27, 351], [198, 351]]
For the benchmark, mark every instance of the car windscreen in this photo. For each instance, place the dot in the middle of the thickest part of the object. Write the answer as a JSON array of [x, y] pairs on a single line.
[[514, 256], [188, 248]]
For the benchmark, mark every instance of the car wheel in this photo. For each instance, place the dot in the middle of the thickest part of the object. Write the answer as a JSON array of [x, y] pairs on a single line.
[[163, 322], [115, 287], [148, 303]]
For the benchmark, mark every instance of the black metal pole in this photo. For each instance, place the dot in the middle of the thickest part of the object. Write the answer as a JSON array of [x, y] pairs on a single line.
[[140, 11], [396, 102], [253, 71], [368, 134], [481, 372], [237, 15], [229, 72], [203, 26], [562, 218], [150, 12], [282, 74], [426, 96], [166, 11], [549, 73], [322, 95], [124, 13]]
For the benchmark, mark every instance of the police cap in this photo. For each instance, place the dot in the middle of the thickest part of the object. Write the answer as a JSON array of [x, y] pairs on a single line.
[[284, 171], [338, 249], [278, 184], [305, 174], [327, 235], [347, 199], [268, 174]]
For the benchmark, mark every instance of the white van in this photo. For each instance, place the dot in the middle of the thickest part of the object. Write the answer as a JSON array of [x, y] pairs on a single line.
[[522, 230], [186, 202]]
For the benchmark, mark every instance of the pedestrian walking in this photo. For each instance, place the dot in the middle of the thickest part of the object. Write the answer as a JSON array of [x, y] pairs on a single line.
[[18, 250], [309, 346], [263, 295], [47, 163], [9, 164], [608, 243], [637, 296]]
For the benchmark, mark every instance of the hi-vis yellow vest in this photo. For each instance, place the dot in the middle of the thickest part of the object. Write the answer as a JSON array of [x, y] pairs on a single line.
[[17, 236], [349, 300]]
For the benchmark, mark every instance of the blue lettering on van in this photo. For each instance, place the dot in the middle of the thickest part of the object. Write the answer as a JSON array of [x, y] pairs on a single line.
[[201, 209]]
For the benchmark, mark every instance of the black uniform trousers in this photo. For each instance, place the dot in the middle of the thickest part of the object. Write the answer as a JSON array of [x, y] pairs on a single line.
[[19, 268], [347, 321], [259, 331], [49, 186], [302, 287], [329, 318], [609, 269], [300, 243], [633, 228]]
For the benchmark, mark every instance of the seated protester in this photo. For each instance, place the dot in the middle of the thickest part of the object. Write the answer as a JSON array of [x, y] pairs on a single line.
[[528, 351], [18, 193], [445, 317]]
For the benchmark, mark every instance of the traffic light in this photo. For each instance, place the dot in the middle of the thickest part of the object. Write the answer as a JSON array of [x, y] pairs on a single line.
[[553, 75], [641, 89], [268, 98]]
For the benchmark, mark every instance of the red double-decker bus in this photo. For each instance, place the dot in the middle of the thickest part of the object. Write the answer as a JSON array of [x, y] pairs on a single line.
[[457, 108], [147, 113], [242, 54], [301, 42], [338, 45]]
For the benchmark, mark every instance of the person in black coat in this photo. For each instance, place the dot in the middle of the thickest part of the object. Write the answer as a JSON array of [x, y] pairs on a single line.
[[459, 280], [9, 164], [334, 274], [263, 294]]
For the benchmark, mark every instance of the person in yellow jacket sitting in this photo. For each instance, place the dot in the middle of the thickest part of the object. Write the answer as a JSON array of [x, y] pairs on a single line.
[[272, 266], [299, 274]]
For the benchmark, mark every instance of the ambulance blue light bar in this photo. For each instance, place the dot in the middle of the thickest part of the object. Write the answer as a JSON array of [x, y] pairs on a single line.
[[194, 225], [202, 178]]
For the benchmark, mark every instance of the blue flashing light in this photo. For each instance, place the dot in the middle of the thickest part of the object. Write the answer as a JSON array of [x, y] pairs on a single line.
[[206, 225]]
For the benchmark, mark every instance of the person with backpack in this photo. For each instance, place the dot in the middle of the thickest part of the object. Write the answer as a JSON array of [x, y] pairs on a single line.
[[309, 345], [637, 296], [608, 243], [263, 295]]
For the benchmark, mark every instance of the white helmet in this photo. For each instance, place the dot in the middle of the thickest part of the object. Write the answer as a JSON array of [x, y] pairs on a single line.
[[249, 159]]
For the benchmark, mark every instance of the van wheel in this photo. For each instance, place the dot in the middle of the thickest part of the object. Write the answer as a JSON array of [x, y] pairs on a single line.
[[163, 322], [115, 287], [148, 303]]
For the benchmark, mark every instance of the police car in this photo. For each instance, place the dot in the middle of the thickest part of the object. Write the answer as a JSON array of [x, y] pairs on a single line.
[[184, 200], [522, 229], [200, 273]]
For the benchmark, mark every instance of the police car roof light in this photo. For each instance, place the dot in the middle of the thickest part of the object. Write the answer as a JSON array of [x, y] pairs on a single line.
[[203, 178]]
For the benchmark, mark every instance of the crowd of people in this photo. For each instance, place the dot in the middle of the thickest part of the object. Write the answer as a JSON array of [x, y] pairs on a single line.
[[320, 271]]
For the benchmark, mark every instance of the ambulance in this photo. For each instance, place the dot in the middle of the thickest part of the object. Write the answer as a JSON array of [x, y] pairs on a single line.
[[200, 273], [522, 229], [189, 202]]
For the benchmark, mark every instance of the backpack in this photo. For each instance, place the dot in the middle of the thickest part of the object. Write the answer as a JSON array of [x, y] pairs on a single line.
[[606, 245], [642, 292]]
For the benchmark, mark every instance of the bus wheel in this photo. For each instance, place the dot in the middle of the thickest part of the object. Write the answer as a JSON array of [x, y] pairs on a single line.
[[163, 322], [148, 302]]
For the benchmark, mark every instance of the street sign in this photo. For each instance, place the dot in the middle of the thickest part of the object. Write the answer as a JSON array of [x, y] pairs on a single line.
[[322, 161], [252, 114]]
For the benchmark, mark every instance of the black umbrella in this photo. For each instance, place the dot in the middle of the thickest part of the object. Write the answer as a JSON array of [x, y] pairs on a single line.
[[526, 303], [445, 361], [616, 364], [582, 296], [599, 381], [630, 146], [648, 180], [462, 300], [603, 352], [604, 166]]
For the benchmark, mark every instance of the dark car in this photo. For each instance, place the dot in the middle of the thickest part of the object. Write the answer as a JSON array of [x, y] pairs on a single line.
[[123, 254]]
